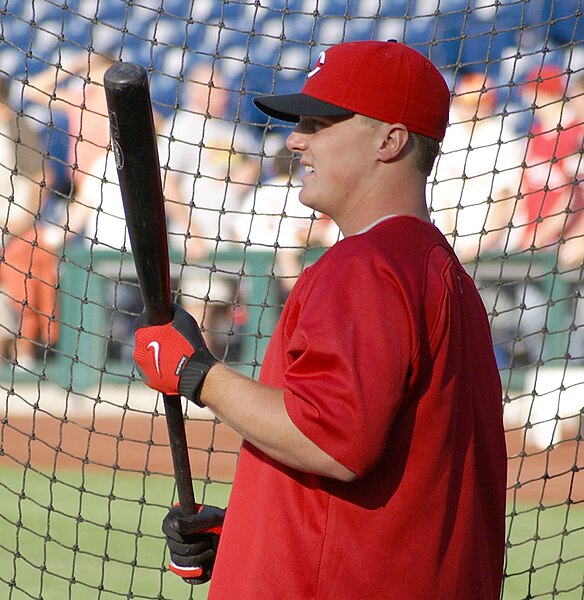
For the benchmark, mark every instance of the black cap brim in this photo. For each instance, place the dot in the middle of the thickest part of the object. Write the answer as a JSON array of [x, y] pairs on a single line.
[[290, 107]]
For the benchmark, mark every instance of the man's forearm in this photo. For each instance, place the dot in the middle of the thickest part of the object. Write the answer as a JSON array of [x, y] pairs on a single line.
[[258, 413]]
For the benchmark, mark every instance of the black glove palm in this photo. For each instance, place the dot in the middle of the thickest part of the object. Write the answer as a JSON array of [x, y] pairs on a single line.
[[193, 542]]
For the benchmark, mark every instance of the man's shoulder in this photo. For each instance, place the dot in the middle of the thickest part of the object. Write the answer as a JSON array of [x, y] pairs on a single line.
[[399, 233], [400, 243]]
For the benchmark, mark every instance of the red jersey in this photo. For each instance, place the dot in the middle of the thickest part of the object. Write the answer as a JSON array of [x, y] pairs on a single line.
[[384, 354]]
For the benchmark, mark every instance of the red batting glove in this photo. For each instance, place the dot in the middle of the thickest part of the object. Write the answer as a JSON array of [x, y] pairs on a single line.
[[172, 358], [193, 542]]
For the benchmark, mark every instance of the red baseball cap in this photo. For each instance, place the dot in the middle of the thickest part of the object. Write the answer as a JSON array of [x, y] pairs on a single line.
[[387, 81]]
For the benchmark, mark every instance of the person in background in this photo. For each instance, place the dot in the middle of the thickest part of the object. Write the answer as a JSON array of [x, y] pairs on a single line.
[[549, 208], [551, 200], [212, 162], [75, 89], [571, 252], [98, 215], [28, 271], [374, 459], [473, 192], [477, 175]]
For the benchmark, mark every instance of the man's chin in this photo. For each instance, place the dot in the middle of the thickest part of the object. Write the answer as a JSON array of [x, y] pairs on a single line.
[[307, 200]]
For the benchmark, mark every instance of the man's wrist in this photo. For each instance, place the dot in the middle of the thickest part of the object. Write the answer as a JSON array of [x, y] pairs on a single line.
[[193, 375]]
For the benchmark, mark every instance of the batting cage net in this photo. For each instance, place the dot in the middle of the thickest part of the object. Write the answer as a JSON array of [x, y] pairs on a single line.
[[86, 475]]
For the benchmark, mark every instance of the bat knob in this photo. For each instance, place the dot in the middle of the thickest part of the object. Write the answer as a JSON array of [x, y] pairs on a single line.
[[122, 76]]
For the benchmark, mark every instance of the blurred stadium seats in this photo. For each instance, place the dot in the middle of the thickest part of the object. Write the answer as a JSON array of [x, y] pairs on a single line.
[[254, 38]]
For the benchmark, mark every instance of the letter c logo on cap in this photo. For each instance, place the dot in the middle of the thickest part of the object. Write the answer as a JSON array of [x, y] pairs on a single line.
[[319, 63]]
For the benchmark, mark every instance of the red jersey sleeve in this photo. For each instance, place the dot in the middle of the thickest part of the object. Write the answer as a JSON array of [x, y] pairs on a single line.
[[347, 361]]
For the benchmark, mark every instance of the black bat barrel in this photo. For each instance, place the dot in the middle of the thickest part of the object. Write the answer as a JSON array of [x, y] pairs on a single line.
[[134, 145]]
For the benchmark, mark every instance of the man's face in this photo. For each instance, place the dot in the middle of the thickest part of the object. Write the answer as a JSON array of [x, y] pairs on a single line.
[[336, 154]]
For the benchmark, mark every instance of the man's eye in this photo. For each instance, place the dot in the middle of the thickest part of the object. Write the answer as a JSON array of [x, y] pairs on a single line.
[[309, 125], [303, 128]]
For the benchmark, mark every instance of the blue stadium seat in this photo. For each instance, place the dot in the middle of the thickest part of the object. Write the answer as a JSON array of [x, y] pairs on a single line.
[[263, 48], [442, 30], [364, 29], [179, 8], [107, 11], [299, 27], [487, 35], [254, 81], [40, 11], [45, 39], [195, 32], [16, 8], [334, 8], [419, 31], [556, 19], [365, 8], [208, 11], [163, 91], [561, 21], [167, 30], [385, 8], [294, 6], [262, 80], [233, 42], [11, 63], [15, 32], [331, 31], [76, 30], [271, 27], [139, 20]]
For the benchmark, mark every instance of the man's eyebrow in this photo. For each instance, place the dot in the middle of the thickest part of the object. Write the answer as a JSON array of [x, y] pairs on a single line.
[[325, 120]]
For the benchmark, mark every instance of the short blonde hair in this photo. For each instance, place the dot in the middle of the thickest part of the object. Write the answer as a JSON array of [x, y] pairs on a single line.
[[426, 148]]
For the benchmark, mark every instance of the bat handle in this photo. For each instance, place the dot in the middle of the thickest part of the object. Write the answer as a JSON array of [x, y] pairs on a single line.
[[159, 311], [180, 454]]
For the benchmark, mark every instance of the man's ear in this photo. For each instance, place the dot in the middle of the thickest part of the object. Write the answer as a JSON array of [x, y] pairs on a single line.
[[393, 142]]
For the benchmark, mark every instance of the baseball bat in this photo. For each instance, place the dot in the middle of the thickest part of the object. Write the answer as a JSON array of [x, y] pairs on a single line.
[[134, 144]]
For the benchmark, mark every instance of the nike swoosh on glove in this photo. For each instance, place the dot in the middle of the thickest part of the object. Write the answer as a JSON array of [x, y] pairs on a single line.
[[172, 358]]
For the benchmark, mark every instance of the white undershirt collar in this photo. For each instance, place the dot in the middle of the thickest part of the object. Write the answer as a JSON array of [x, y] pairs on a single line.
[[372, 225]]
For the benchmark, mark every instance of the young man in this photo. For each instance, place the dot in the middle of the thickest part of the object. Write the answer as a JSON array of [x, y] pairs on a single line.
[[374, 461]]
